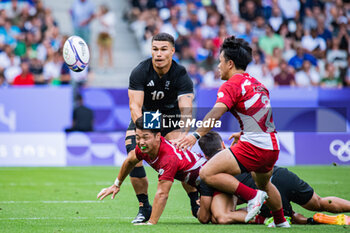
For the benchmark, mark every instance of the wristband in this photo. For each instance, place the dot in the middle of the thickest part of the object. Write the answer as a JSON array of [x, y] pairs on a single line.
[[196, 135], [117, 182]]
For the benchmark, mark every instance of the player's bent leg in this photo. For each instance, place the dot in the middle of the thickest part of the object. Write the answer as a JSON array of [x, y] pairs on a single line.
[[274, 201], [194, 198], [314, 204], [223, 210], [218, 172], [138, 180], [329, 204], [335, 204]]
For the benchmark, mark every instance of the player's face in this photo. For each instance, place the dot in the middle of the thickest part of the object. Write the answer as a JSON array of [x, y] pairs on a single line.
[[223, 67], [146, 140], [162, 53]]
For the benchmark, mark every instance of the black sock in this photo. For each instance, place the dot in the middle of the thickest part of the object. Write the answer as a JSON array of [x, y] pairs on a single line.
[[194, 206], [143, 198], [193, 197], [311, 221]]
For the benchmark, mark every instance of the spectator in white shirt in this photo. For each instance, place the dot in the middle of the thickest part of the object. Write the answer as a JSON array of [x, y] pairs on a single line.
[[289, 8], [314, 44], [307, 76], [52, 68]]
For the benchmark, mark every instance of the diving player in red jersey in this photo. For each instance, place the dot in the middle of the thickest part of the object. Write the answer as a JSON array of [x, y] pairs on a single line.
[[258, 148], [163, 157]]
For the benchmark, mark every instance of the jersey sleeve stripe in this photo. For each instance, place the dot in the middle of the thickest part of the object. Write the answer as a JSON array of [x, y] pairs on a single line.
[[199, 163]]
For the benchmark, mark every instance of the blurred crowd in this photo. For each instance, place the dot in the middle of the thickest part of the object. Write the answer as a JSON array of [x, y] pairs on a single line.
[[295, 42], [31, 43]]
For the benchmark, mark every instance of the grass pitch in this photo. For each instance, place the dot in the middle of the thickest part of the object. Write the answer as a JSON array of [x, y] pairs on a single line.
[[64, 200]]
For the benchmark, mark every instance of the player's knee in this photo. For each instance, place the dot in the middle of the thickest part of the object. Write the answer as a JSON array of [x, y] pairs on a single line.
[[138, 172], [265, 185], [320, 204], [222, 219]]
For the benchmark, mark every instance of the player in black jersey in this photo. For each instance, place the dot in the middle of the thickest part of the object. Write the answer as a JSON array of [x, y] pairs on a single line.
[[157, 83], [220, 207]]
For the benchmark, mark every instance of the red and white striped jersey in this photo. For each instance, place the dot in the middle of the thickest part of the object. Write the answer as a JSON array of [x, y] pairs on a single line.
[[248, 100], [171, 163]]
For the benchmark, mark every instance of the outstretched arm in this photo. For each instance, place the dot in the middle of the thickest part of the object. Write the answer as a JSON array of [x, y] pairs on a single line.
[[160, 200], [215, 114], [127, 166]]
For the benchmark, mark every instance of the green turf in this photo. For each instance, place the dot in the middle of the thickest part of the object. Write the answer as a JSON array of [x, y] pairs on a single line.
[[28, 195]]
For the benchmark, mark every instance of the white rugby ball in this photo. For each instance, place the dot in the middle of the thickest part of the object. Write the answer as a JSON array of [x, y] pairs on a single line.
[[76, 53]]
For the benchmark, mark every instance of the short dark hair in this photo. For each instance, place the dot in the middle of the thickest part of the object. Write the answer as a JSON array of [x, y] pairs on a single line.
[[211, 143], [237, 50], [164, 37], [139, 125]]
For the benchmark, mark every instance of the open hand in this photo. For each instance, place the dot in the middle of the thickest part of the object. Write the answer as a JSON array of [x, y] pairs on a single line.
[[236, 137], [107, 191], [186, 142]]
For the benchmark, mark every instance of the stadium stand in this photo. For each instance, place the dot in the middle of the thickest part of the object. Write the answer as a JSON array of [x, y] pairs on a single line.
[[308, 35]]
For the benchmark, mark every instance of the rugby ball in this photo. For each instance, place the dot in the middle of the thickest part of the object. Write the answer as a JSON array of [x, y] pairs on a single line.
[[76, 53]]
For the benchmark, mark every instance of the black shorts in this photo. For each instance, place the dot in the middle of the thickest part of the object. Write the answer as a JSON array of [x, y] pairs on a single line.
[[205, 190], [291, 188]]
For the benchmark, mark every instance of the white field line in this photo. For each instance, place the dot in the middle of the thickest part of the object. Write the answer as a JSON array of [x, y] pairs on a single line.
[[50, 202], [85, 218], [108, 183], [55, 184]]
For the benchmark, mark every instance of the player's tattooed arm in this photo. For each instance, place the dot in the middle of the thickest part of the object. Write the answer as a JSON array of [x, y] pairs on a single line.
[[135, 103], [160, 200], [185, 105]]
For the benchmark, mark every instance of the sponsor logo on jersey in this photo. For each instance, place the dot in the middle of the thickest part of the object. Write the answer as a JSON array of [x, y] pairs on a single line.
[[150, 84], [161, 171], [167, 84], [151, 120], [220, 94]]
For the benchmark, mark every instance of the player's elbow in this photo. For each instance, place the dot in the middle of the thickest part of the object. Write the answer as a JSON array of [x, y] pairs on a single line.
[[221, 219]]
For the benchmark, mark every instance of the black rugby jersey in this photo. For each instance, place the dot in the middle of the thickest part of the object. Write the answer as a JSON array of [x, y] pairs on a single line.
[[160, 93]]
